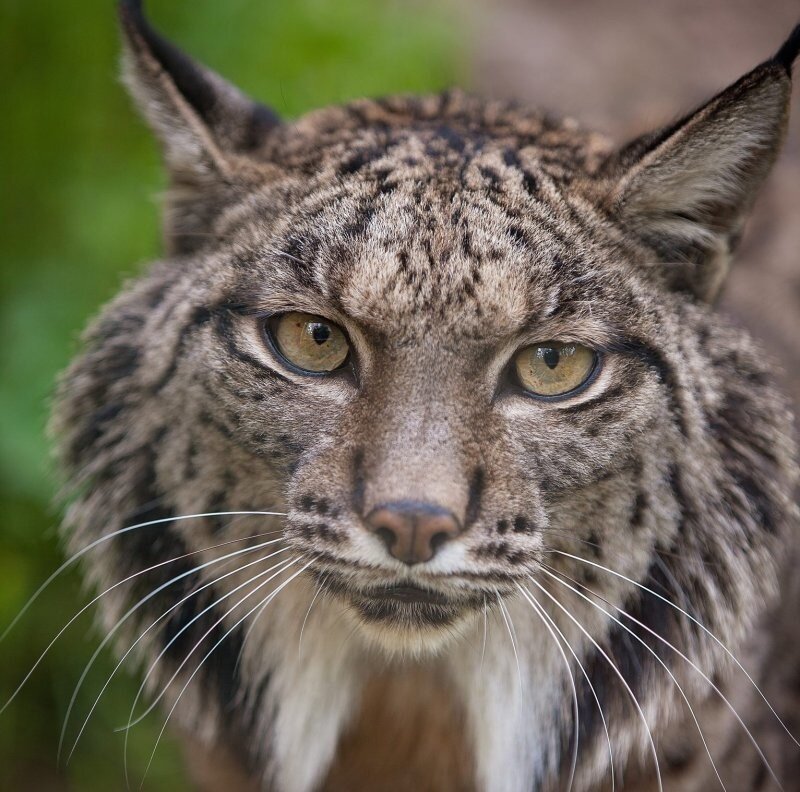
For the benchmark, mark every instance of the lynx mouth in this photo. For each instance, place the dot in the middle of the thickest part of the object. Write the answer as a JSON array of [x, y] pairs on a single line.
[[405, 604], [408, 593], [406, 610]]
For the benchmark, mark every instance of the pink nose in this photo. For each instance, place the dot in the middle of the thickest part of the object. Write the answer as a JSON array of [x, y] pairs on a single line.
[[413, 531]]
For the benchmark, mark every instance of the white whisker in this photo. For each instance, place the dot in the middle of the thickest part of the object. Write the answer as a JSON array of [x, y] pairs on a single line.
[[537, 610], [247, 634], [658, 659], [695, 621], [77, 556], [507, 619], [308, 613], [188, 596], [269, 598], [614, 669], [173, 639], [485, 631], [89, 604], [280, 567], [110, 634]]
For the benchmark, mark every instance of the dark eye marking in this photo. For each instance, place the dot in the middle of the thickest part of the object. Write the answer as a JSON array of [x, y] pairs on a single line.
[[224, 329], [476, 487], [611, 395], [656, 362]]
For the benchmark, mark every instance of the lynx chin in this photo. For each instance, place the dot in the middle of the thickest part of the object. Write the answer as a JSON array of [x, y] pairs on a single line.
[[422, 461]]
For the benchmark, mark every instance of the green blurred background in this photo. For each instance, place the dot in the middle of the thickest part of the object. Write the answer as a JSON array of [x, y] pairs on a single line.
[[79, 208]]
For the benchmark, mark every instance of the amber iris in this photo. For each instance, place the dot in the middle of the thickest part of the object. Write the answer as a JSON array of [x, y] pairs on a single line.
[[554, 368], [309, 342]]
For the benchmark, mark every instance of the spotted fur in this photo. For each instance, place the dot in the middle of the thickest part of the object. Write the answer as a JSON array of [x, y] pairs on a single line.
[[443, 233]]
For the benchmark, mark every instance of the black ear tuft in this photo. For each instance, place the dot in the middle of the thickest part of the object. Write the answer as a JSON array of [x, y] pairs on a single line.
[[210, 131], [787, 54], [215, 102], [187, 78]]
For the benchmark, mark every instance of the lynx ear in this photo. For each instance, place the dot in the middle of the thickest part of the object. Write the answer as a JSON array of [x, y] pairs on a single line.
[[207, 126], [686, 190]]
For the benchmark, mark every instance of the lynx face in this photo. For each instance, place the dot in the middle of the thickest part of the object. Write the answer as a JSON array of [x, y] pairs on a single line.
[[430, 473], [469, 350]]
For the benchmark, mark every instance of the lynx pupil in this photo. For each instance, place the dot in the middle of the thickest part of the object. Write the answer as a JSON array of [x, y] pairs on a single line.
[[550, 357], [320, 333]]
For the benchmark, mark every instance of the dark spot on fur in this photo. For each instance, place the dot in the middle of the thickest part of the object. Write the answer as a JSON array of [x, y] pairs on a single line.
[[679, 757], [521, 524], [200, 316], [361, 159], [476, 486], [656, 361], [640, 507], [634, 661], [594, 545], [218, 503], [492, 177], [326, 533], [466, 244], [357, 481], [386, 187], [511, 158], [499, 550], [759, 777], [290, 445], [454, 140], [204, 418], [519, 236], [358, 225]]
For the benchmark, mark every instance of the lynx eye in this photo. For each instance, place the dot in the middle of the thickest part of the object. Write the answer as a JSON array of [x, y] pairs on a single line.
[[555, 369], [309, 342]]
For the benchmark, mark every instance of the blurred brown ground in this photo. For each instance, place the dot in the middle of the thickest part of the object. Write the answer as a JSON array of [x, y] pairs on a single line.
[[623, 67]]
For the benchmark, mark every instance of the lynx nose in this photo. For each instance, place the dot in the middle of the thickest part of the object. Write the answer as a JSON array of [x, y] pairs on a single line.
[[413, 531]]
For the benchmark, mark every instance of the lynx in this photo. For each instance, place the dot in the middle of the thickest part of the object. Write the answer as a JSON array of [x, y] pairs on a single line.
[[423, 460]]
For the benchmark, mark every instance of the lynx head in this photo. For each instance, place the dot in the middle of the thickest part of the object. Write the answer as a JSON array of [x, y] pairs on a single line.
[[459, 343]]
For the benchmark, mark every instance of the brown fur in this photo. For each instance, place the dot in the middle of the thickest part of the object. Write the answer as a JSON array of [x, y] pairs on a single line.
[[443, 234], [407, 737]]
